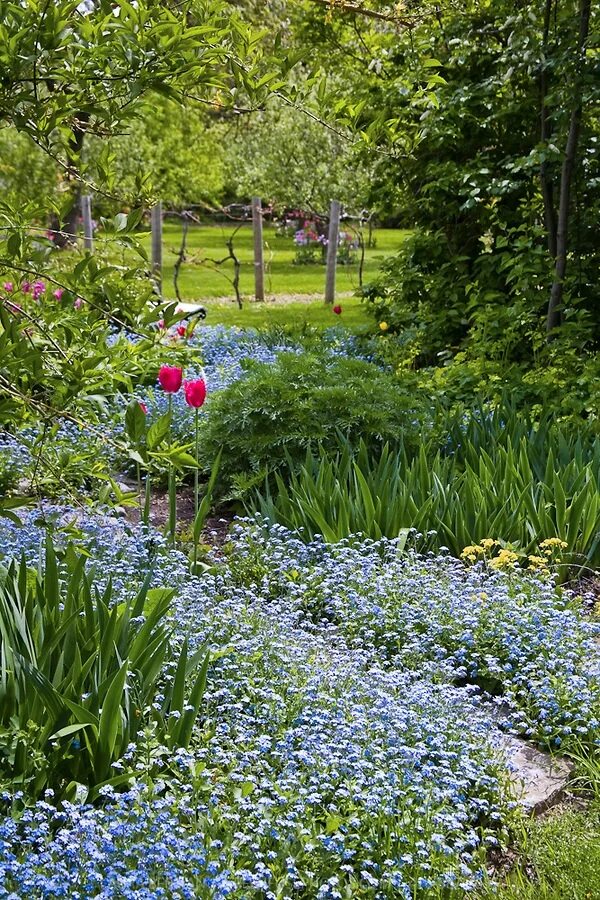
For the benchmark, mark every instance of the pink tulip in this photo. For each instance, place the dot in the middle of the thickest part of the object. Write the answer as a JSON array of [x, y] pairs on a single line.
[[170, 378], [195, 392]]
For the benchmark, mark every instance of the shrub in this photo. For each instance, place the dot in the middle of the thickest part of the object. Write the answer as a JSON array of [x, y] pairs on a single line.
[[270, 417]]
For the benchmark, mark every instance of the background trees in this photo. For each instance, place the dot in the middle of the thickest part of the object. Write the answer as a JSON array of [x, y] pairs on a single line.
[[494, 160]]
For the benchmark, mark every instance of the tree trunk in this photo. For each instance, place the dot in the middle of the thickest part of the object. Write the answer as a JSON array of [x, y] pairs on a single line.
[[67, 235], [566, 180], [547, 184]]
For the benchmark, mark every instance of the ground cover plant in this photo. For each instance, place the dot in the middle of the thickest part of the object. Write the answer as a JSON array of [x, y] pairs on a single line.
[[334, 756], [308, 727]]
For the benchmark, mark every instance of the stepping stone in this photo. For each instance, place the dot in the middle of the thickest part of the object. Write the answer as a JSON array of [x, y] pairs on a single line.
[[542, 778], [539, 778]]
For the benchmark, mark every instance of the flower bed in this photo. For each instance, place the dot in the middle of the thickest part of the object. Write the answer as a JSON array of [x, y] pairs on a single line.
[[335, 757], [316, 769]]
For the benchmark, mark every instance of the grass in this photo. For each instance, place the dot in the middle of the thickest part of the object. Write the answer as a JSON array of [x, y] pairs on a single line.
[[293, 315], [561, 859], [199, 281]]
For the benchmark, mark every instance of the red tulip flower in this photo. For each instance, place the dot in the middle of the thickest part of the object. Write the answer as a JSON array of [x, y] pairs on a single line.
[[337, 310], [181, 329], [195, 392], [170, 378], [143, 407]]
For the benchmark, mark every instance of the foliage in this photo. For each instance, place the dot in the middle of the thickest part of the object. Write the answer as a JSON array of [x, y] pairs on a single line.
[[71, 71], [485, 121], [277, 411], [290, 159], [169, 152], [500, 481], [80, 677]]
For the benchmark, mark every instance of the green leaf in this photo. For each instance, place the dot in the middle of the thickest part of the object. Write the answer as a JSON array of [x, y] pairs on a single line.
[[135, 421], [110, 719], [158, 431]]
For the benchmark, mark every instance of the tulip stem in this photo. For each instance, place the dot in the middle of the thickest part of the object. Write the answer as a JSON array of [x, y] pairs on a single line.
[[172, 481], [196, 496], [146, 513]]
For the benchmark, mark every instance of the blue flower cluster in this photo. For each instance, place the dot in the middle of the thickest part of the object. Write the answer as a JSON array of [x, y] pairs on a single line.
[[219, 354], [13, 457], [515, 635], [116, 549], [320, 769]]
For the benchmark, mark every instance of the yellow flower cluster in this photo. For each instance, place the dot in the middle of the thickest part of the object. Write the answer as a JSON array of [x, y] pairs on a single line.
[[478, 551], [551, 544], [506, 559], [538, 562]]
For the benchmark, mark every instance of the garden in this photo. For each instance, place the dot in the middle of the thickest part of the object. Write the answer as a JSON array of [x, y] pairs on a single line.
[[299, 512]]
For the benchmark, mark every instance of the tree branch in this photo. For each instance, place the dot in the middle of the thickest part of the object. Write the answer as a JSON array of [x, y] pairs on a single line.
[[356, 9]]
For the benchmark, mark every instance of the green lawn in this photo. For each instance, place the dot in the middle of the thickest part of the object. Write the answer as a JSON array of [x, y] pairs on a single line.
[[282, 277], [293, 315]]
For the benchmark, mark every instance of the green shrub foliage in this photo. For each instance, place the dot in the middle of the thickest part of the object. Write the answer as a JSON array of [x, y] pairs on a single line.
[[270, 417]]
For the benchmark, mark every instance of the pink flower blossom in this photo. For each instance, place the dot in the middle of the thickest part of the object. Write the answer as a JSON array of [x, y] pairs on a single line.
[[8, 287], [170, 378], [78, 303], [195, 392], [58, 293], [38, 289], [26, 287]]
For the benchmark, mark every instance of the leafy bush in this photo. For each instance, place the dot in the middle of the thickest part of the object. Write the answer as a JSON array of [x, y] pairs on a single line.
[[272, 415], [422, 293], [80, 676]]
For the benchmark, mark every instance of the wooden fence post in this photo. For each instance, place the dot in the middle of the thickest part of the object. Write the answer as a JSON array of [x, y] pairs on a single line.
[[88, 228], [332, 248], [156, 224], [259, 265]]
